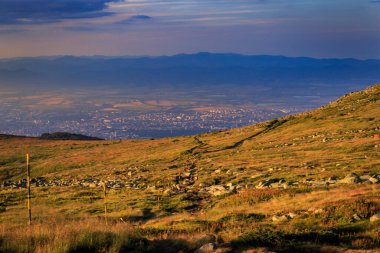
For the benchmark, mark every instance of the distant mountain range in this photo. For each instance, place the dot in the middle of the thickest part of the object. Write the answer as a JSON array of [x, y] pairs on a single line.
[[187, 70]]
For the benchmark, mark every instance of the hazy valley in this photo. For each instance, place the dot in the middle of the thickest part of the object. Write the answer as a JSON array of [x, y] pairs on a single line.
[[145, 97]]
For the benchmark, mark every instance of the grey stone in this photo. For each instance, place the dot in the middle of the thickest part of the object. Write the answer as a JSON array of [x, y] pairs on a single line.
[[207, 248]]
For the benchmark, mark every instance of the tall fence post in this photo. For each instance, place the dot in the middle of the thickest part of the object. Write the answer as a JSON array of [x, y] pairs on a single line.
[[28, 186], [105, 201]]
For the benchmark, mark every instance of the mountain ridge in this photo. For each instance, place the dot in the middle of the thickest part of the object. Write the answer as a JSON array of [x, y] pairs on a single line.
[[195, 69]]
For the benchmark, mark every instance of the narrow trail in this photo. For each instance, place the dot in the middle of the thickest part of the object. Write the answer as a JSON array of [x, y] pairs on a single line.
[[273, 125], [200, 148]]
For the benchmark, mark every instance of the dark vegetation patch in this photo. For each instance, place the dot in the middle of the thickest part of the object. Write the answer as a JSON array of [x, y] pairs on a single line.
[[66, 136]]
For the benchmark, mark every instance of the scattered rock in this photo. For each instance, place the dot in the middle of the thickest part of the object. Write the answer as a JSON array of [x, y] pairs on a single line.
[[374, 218], [282, 218], [374, 179], [315, 210], [207, 248], [217, 190], [266, 183], [351, 178], [205, 240]]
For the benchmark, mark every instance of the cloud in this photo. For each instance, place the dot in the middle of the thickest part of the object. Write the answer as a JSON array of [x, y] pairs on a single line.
[[45, 11], [134, 19]]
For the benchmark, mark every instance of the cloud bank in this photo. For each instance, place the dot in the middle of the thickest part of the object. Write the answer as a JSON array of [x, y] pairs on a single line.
[[45, 11]]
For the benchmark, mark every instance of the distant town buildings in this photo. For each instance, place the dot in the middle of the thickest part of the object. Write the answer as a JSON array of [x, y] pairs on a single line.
[[129, 124]]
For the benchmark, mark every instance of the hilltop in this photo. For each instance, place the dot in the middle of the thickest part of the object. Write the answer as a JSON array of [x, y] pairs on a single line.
[[306, 180], [66, 136]]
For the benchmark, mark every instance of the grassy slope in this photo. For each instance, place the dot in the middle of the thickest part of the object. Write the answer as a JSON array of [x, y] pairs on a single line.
[[330, 141]]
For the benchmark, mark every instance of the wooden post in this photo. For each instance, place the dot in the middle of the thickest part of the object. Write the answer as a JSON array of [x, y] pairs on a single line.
[[105, 201], [28, 186]]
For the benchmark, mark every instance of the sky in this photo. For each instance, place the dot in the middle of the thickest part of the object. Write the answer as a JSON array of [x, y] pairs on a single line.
[[314, 28]]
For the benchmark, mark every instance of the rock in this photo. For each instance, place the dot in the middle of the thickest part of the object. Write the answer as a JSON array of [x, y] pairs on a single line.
[[374, 218], [278, 218], [266, 183], [276, 185], [287, 184], [365, 177], [255, 176], [351, 178], [92, 185], [315, 211], [292, 215], [356, 217], [217, 190], [207, 248], [374, 180], [206, 239]]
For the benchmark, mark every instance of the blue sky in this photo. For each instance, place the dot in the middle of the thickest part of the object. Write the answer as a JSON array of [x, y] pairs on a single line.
[[316, 28]]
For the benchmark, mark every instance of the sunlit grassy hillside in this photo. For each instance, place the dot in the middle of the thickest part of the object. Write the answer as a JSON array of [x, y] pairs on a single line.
[[282, 184]]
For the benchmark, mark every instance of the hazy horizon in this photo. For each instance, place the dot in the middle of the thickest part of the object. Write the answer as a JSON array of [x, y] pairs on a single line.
[[188, 53]]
